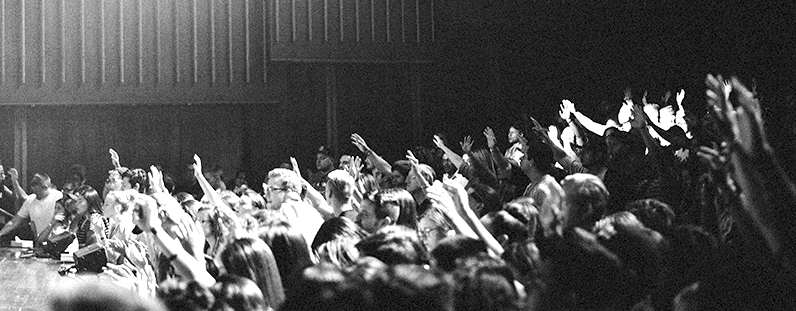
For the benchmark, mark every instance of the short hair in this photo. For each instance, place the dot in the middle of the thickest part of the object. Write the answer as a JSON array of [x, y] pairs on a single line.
[[234, 292], [341, 252], [524, 210], [258, 202], [394, 245], [386, 201], [485, 283], [402, 166], [486, 195], [501, 222], [287, 179], [139, 177], [452, 248], [340, 184], [586, 200], [41, 179]]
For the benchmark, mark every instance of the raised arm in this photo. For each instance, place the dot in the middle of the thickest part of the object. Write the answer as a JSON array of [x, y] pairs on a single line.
[[455, 158], [146, 217], [565, 112], [378, 162], [18, 190], [317, 200]]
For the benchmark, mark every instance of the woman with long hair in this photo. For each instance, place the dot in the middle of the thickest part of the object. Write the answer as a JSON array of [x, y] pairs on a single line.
[[90, 223], [252, 258]]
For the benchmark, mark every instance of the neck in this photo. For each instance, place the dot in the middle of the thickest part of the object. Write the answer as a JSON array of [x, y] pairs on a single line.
[[534, 175], [43, 194], [419, 195]]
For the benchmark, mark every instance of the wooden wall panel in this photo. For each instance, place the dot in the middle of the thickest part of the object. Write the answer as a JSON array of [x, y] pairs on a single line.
[[352, 30], [133, 51]]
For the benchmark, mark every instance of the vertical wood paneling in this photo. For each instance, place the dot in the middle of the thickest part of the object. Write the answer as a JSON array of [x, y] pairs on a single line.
[[84, 45]]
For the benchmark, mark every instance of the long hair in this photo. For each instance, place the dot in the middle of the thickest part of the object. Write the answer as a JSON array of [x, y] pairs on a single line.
[[290, 251], [407, 215], [252, 258], [237, 293], [337, 228], [93, 199]]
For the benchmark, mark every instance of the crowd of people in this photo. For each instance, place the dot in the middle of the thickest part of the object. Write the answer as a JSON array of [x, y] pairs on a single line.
[[655, 208]]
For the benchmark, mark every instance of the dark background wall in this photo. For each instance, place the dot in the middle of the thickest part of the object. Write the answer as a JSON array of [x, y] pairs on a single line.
[[492, 61]]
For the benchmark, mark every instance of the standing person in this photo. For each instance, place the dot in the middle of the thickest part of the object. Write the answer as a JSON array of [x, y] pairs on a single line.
[[325, 164], [38, 207]]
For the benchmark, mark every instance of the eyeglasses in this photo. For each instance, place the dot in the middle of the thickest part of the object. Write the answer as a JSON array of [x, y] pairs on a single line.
[[424, 233], [274, 189]]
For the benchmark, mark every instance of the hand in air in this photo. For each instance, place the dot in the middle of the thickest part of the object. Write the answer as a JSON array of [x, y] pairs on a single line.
[[490, 137], [466, 144]]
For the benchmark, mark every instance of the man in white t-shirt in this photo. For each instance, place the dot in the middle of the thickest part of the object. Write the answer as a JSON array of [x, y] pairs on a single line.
[[38, 207]]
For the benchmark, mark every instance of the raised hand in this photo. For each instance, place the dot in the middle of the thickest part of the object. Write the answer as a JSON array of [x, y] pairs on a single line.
[[565, 109], [13, 174], [114, 158], [295, 166], [360, 143], [156, 180], [197, 166], [538, 128], [145, 213], [412, 159], [355, 167], [466, 144], [490, 137], [438, 142], [680, 97]]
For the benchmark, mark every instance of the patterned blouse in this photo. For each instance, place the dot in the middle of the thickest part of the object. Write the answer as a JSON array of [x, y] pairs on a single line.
[[84, 230]]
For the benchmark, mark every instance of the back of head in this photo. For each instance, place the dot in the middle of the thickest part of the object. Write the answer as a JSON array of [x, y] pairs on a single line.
[[340, 185], [388, 201], [505, 227], [290, 251], [237, 293], [252, 258], [180, 295], [336, 228], [485, 195], [394, 245], [318, 289], [450, 249], [139, 180], [411, 287], [94, 296], [654, 214], [485, 283], [586, 200], [341, 252], [524, 210]]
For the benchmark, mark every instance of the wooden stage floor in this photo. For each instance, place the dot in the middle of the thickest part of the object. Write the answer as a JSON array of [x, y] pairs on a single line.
[[26, 283]]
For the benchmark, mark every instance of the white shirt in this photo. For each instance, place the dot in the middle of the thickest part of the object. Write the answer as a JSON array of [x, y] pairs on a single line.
[[40, 211]]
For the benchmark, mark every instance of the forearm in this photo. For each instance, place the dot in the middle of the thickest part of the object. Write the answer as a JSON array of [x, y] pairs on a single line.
[[579, 138], [589, 124], [472, 220], [379, 163], [318, 201], [11, 225], [18, 191], [185, 264], [452, 156]]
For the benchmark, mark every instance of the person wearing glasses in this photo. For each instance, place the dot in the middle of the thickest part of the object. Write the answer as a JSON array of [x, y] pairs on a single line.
[[283, 193]]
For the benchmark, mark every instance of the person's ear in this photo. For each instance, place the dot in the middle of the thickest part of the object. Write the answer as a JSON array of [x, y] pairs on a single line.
[[503, 239], [386, 221]]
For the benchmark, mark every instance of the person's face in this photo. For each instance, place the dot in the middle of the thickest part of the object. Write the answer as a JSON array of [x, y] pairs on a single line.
[[274, 193], [81, 205], [205, 219], [412, 183], [398, 180], [526, 164], [246, 204], [514, 135], [114, 181], [475, 205], [323, 162], [430, 233], [366, 219], [345, 162], [368, 164], [447, 165]]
